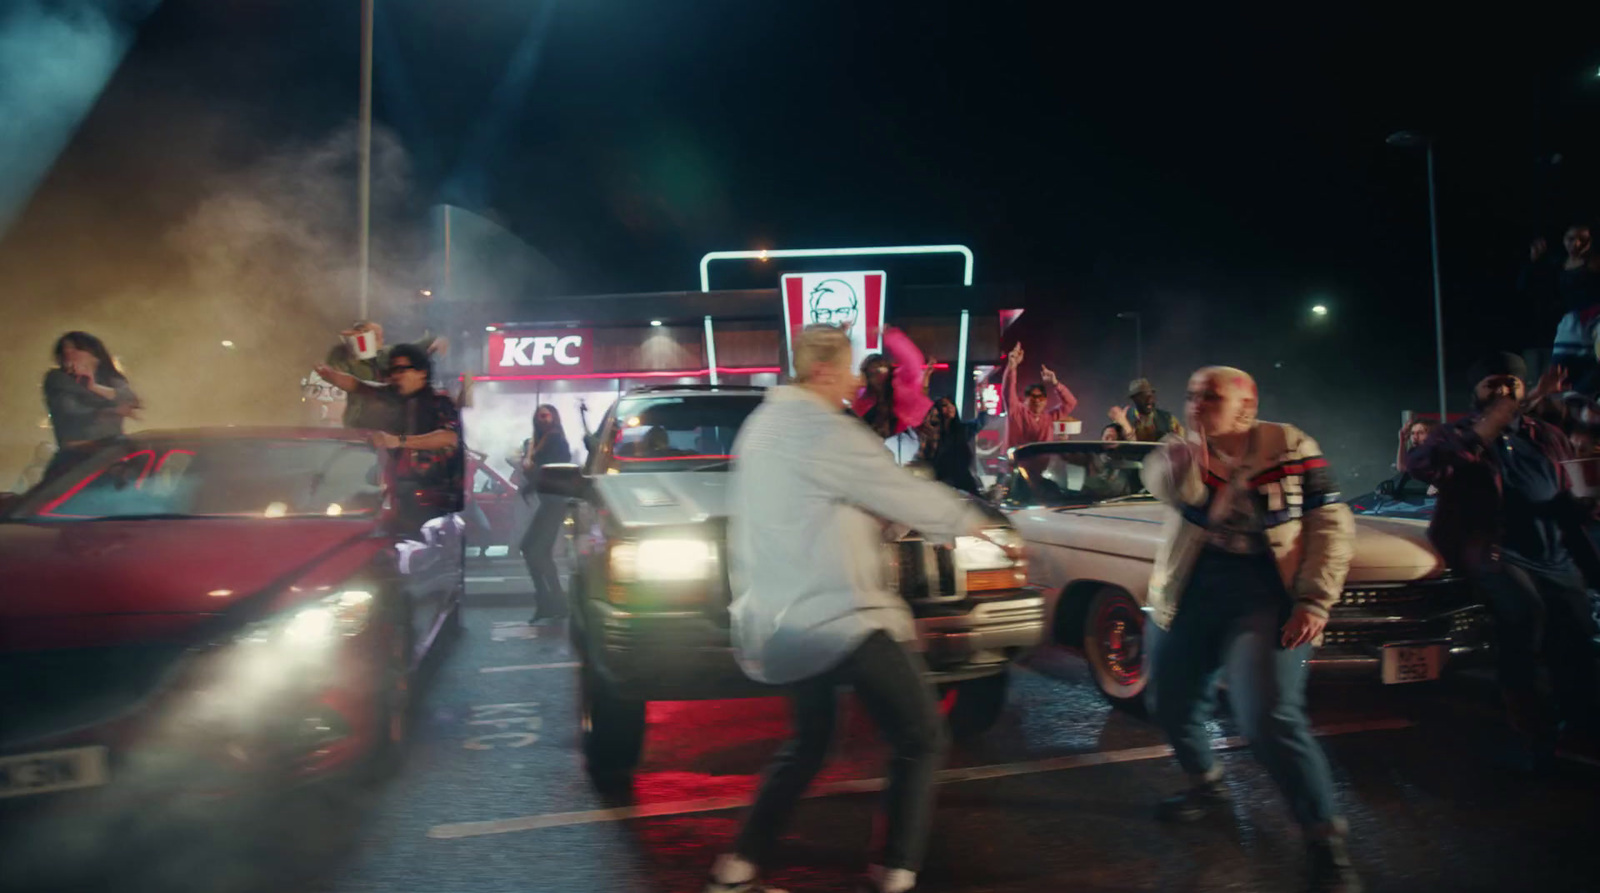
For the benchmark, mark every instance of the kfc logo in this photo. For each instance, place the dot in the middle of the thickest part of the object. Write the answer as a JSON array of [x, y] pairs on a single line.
[[852, 301], [834, 303], [566, 351]]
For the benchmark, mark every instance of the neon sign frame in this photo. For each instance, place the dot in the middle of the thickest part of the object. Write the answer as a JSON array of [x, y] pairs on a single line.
[[766, 254]]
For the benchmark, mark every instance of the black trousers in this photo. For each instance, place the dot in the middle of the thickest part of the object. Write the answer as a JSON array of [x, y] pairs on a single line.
[[538, 546], [888, 680], [1543, 621]]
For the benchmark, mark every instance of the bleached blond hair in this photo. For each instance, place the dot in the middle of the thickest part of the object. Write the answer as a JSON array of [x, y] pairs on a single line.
[[820, 346], [1228, 379]]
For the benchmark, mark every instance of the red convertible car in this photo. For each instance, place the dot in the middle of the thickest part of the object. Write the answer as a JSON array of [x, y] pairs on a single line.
[[217, 611]]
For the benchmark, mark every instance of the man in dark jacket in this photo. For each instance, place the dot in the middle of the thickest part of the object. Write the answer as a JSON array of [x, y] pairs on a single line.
[[1141, 419], [421, 429], [360, 411], [1506, 520]]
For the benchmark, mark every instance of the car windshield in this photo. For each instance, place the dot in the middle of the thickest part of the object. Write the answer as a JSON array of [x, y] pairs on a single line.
[[229, 478], [1404, 497], [682, 433], [1086, 474]]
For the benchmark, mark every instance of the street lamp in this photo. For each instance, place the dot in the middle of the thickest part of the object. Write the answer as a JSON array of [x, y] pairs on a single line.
[[1410, 139], [364, 151], [1138, 341]]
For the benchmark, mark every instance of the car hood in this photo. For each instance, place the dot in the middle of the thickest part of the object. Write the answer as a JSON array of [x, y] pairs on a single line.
[[1386, 549], [146, 574], [667, 498]]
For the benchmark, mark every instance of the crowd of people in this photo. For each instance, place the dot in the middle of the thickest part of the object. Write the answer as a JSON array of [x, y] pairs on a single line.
[[1242, 586]]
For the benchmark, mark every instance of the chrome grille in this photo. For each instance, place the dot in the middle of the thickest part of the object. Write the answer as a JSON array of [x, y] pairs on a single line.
[[922, 572], [1427, 595]]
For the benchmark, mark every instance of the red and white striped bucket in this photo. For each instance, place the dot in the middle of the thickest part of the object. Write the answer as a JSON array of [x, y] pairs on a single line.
[[363, 344]]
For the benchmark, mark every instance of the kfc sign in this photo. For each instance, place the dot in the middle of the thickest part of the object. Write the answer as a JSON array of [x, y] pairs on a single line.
[[854, 301], [564, 351]]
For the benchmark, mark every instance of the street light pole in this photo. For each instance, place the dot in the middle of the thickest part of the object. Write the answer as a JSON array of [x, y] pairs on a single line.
[[1138, 341], [1410, 139], [364, 149], [1438, 295]]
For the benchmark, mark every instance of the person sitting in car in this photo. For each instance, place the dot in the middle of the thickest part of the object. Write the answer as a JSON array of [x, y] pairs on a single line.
[[420, 427]]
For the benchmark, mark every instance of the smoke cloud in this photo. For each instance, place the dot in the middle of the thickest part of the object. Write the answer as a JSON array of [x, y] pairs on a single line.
[[263, 257]]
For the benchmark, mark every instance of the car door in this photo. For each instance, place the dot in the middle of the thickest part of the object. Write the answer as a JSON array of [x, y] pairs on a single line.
[[430, 546], [494, 502]]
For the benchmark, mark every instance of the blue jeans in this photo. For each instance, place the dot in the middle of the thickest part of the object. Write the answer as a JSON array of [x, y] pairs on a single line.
[[1231, 618]]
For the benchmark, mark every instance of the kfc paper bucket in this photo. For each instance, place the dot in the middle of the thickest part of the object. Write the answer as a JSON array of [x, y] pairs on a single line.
[[1583, 477], [363, 344], [1065, 428]]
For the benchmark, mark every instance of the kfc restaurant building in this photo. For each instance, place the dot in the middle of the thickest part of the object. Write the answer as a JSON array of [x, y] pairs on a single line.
[[577, 352]]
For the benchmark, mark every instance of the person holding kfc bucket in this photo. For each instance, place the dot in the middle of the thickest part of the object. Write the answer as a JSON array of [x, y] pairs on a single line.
[[1508, 520], [362, 353]]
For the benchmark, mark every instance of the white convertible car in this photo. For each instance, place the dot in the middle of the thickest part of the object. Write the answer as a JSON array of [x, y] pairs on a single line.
[[1092, 532]]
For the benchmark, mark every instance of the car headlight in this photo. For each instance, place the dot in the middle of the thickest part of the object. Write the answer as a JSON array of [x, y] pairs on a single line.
[[242, 681], [340, 615], [984, 562], [662, 559]]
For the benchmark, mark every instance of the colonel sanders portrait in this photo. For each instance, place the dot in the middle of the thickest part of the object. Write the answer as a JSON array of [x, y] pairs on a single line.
[[833, 302]]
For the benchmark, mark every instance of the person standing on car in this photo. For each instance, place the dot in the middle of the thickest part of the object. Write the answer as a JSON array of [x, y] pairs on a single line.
[[548, 446], [893, 397], [1032, 418], [369, 365], [1254, 558], [1141, 420], [1507, 520], [421, 429], [88, 399], [811, 611]]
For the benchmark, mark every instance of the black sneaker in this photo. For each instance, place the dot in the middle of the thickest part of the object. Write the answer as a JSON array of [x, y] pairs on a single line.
[[1331, 871], [1195, 804]]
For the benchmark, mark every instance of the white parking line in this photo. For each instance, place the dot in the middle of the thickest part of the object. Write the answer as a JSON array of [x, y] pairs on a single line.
[[491, 579], [561, 666], [458, 830]]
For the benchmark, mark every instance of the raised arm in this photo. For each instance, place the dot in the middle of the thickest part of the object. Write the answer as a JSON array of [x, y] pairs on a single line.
[[344, 381], [1448, 449], [1062, 401], [67, 398], [1013, 404], [861, 472]]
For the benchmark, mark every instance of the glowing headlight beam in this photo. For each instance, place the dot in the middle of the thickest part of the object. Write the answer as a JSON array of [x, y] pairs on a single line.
[[662, 559], [765, 254]]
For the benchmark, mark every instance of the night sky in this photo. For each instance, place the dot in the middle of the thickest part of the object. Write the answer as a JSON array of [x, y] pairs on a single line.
[[1219, 173]]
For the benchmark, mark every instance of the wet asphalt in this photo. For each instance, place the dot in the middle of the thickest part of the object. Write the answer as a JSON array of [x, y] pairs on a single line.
[[493, 797]]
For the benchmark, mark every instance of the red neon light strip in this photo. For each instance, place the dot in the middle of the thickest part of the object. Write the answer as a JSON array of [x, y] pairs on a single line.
[[51, 506], [687, 373], [148, 470], [666, 458]]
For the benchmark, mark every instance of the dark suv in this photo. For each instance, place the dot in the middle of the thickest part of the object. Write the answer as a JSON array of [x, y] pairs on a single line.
[[650, 590]]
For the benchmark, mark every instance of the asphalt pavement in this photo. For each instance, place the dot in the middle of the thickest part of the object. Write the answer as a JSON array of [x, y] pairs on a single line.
[[1059, 796]]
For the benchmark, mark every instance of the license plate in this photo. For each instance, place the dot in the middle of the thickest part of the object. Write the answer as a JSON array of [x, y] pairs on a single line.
[[55, 770], [1413, 662]]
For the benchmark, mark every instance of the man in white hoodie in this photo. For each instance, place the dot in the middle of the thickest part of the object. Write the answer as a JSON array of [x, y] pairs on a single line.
[[808, 496]]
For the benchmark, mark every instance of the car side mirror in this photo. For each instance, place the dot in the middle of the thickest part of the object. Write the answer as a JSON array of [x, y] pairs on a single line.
[[558, 479], [1386, 489]]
